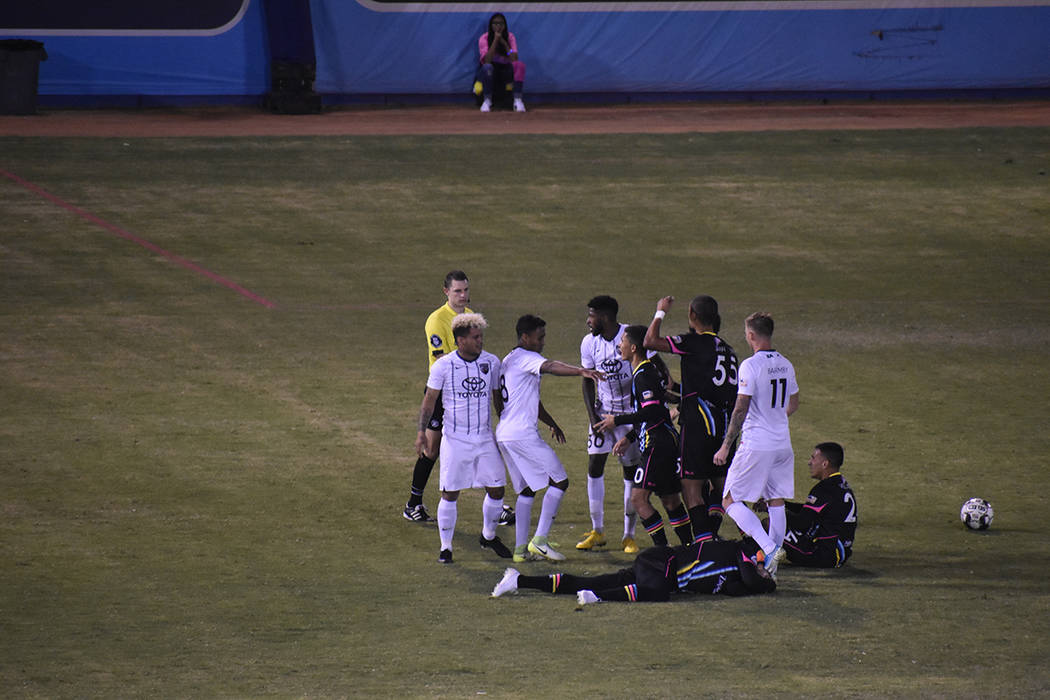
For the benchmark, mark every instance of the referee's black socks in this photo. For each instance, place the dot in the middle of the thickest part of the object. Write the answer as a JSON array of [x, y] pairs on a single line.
[[420, 476]]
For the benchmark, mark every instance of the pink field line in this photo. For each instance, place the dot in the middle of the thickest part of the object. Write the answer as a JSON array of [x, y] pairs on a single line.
[[127, 235]]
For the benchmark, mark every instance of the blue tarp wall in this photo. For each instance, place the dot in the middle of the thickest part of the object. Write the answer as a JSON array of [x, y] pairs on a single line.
[[365, 47]]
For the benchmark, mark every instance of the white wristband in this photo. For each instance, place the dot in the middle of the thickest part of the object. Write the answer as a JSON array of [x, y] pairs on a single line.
[[660, 313]]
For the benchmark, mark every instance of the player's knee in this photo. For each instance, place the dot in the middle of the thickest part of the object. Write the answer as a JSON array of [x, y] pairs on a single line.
[[450, 496], [671, 501], [628, 471], [561, 485], [527, 493], [495, 492], [596, 466]]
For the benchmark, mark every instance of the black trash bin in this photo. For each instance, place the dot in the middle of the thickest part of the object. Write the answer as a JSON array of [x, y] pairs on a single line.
[[19, 75]]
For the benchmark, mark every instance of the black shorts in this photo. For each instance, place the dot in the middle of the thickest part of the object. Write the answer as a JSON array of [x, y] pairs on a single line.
[[698, 445], [658, 471], [826, 554], [437, 419], [656, 573]]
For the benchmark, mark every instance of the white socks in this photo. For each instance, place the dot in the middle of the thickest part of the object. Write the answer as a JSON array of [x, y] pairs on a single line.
[[596, 499], [490, 511], [446, 516], [629, 516], [751, 525], [551, 503], [522, 519], [777, 524]]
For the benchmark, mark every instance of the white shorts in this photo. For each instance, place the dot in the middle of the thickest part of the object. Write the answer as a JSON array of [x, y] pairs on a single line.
[[756, 474], [602, 444], [466, 464], [531, 462]]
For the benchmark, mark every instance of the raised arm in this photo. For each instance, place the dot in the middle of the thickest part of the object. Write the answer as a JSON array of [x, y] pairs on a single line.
[[653, 339]]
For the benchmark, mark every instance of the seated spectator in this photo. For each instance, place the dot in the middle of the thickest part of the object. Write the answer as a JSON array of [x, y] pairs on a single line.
[[498, 54]]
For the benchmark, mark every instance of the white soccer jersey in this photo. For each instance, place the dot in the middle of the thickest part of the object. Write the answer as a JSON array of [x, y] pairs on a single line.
[[466, 394], [614, 394], [520, 385], [769, 379]]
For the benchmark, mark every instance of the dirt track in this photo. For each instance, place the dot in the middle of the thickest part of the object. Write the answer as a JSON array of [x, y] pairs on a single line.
[[658, 118]]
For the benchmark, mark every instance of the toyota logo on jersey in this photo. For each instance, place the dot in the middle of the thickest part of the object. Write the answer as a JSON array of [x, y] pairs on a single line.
[[611, 366], [473, 387]]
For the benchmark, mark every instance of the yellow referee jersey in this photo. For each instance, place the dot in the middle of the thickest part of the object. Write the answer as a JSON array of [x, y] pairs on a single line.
[[439, 332]]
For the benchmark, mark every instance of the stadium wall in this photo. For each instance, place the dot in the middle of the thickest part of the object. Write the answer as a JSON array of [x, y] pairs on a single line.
[[367, 47]]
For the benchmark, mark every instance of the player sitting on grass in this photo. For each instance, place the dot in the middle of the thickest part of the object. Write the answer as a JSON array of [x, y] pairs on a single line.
[[710, 566], [821, 530]]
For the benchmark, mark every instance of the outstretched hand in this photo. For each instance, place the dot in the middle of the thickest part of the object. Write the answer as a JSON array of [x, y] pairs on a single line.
[[593, 375], [606, 424]]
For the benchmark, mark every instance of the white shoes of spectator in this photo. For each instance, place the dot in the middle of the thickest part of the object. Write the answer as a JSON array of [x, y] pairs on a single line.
[[519, 106], [486, 106]]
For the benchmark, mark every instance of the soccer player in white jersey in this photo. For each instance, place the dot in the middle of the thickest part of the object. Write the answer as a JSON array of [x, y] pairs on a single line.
[[764, 464], [467, 382], [600, 349], [532, 463]]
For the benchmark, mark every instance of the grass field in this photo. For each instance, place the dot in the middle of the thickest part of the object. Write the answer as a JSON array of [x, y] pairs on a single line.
[[201, 495]]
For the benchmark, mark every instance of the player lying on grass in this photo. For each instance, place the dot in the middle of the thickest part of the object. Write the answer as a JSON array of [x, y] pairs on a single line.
[[710, 566]]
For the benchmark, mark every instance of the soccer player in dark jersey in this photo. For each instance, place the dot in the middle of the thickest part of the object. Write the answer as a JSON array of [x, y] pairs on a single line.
[[709, 566], [658, 471], [709, 383], [821, 530]]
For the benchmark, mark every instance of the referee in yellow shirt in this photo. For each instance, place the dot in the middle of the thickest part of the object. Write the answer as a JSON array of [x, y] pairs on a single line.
[[440, 341]]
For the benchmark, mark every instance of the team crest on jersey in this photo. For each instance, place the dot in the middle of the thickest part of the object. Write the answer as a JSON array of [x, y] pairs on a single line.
[[677, 339], [484, 367], [435, 340], [647, 394]]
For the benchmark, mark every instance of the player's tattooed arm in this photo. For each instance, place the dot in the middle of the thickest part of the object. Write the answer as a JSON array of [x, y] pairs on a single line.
[[736, 422]]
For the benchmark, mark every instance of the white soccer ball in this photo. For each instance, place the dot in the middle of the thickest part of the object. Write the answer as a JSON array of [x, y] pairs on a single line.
[[977, 513]]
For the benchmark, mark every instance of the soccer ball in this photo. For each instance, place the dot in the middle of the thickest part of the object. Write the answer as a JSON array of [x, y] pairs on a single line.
[[977, 513]]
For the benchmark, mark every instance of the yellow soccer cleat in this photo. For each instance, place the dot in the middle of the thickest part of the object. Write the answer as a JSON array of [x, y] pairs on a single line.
[[629, 545], [592, 540]]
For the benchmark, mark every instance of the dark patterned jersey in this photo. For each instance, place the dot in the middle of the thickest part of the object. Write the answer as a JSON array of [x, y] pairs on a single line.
[[709, 370], [647, 392], [718, 566], [829, 513]]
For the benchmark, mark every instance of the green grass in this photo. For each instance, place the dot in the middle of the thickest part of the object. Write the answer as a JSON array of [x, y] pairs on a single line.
[[200, 496]]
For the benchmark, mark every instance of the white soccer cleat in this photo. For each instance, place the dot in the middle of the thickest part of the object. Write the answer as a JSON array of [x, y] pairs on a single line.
[[507, 584], [540, 547], [486, 106], [586, 597], [772, 560], [519, 106]]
